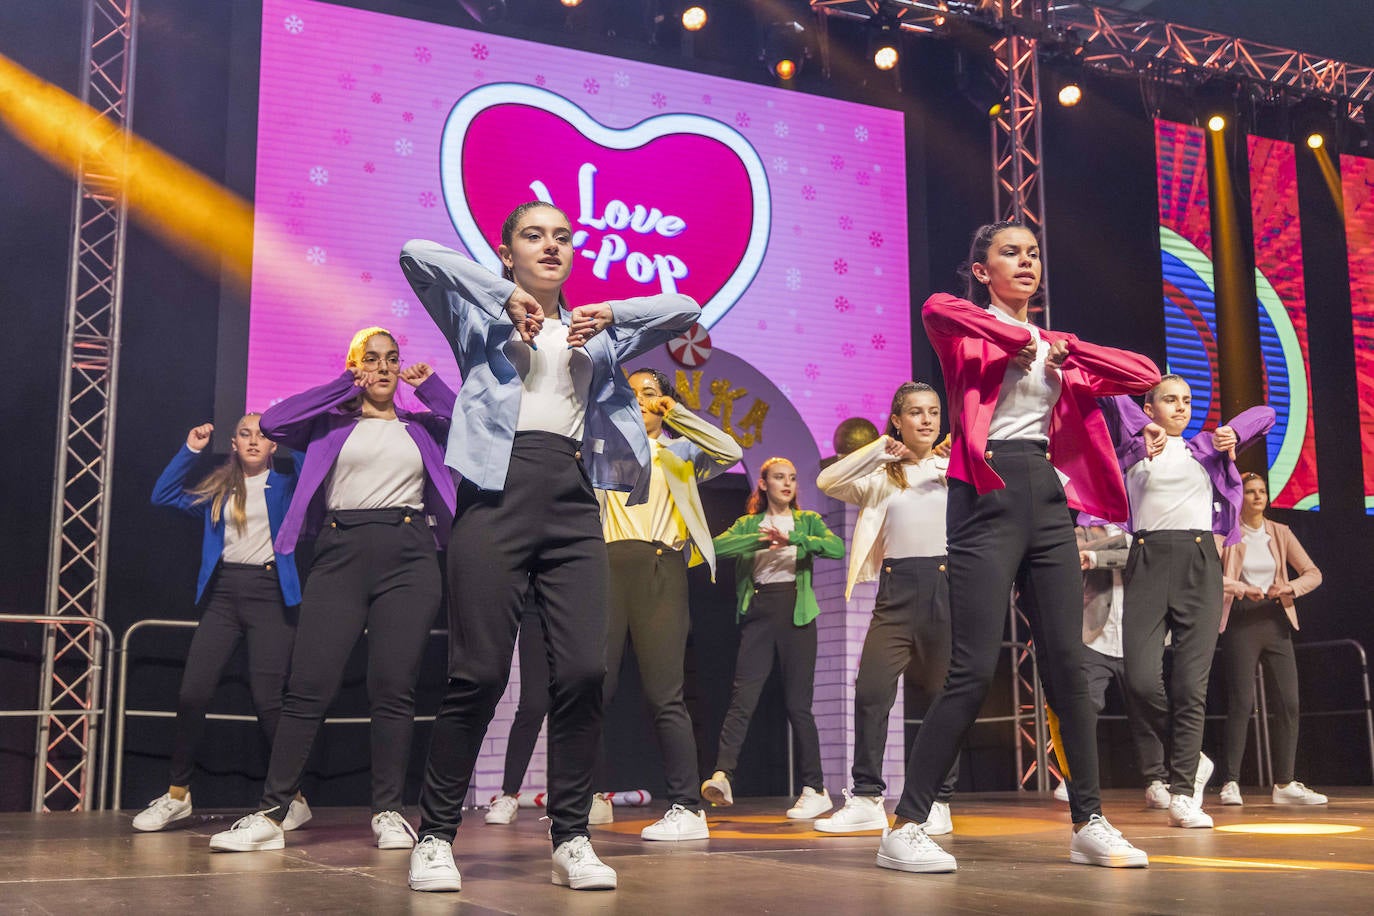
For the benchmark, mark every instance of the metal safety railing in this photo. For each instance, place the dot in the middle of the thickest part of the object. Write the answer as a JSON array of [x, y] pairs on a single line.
[[49, 709], [123, 713]]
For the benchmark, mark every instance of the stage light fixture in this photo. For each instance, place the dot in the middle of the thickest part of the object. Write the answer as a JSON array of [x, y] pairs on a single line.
[[1216, 124], [1070, 95], [784, 49], [571, 3], [1315, 141], [785, 69], [694, 18], [886, 57]]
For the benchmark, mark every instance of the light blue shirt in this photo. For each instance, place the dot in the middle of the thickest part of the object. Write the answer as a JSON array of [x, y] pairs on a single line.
[[467, 302]]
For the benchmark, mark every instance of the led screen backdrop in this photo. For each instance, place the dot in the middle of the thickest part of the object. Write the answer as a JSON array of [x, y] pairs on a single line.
[[783, 214], [1357, 182], [1283, 322]]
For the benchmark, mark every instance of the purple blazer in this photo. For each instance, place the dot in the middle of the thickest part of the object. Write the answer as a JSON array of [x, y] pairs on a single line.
[[317, 423], [1125, 420]]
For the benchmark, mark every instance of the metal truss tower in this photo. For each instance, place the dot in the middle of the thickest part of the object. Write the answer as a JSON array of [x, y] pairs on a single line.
[[64, 769]]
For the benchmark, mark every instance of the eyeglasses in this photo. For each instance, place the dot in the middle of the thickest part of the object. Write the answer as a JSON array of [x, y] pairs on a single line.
[[372, 361]]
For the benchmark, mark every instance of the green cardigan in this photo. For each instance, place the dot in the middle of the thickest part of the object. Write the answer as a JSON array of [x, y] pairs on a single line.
[[811, 538]]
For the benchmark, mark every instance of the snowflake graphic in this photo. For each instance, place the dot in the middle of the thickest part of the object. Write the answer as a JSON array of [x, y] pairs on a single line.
[[837, 163], [841, 266], [861, 134], [404, 147], [369, 167], [796, 228], [706, 99], [365, 276], [539, 79], [793, 279], [863, 178], [622, 79], [869, 401], [316, 255], [295, 199], [436, 103], [808, 192], [295, 226], [343, 137], [423, 54], [658, 100], [591, 85], [877, 168], [376, 98], [377, 70], [879, 342], [846, 223], [875, 239], [347, 81], [408, 116], [848, 349], [878, 272], [741, 119], [780, 128], [763, 325], [400, 308], [294, 24], [428, 198], [480, 51], [479, 74], [820, 127], [812, 371], [786, 389], [841, 411], [319, 175], [842, 304], [799, 328], [780, 163]]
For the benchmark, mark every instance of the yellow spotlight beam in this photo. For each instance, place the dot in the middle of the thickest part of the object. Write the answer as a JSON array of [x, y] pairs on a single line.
[[187, 210], [1331, 176]]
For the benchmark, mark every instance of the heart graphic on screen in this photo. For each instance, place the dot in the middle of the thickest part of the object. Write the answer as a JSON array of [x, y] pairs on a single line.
[[677, 202]]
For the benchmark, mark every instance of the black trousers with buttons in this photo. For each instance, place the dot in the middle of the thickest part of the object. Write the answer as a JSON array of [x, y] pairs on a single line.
[[533, 704], [1259, 631], [767, 629], [1020, 535], [909, 634], [542, 530], [243, 605], [1173, 585], [375, 569]]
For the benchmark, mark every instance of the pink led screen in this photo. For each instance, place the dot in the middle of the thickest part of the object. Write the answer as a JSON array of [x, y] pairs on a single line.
[[1357, 183], [783, 214]]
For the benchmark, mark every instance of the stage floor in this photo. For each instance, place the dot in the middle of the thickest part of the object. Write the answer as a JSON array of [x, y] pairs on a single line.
[[1012, 849]]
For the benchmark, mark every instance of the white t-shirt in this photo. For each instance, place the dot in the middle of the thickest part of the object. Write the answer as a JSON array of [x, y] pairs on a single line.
[[254, 545], [1170, 492], [556, 379], [379, 467], [778, 565], [914, 525], [1259, 568], [1027, 395]]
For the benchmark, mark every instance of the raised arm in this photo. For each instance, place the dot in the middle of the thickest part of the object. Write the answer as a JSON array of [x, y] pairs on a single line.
[[851, 479], [289, 420], [717, 450], [448, 283], [949, 316], [170, 489], [1251, 425], [639, 325]]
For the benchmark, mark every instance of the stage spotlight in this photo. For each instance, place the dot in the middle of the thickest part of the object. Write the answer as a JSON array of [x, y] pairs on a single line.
[[885, 58], [694, 18], [1070, 95], [1216, 124], [784, 49], [1315, 141], [571, 3]]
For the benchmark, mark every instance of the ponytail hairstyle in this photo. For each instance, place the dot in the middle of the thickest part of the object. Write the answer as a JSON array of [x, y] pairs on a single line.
[[893, 469], [758, 500], [1171, 377], [974, 290], [224, 488]]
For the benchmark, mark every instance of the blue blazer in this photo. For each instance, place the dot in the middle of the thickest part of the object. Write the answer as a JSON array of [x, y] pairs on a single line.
[[170, 490], [467, 302]]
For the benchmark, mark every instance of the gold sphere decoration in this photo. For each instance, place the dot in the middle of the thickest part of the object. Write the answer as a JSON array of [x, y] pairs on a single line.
[[853, 434]]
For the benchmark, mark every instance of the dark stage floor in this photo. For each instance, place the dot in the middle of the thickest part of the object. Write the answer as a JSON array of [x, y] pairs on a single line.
[[1012, 849]]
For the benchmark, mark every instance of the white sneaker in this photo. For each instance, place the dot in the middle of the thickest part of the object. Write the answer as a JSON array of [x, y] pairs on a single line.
[[860, 813], [678, 824], [1099, 843], [575, 865], [1157, 795], [716, 790], [603, 812], [298, 814], [393, 831], [503, 810], [909, 849], [810, 804], [1061, 792], [432, 867], [940, 823], [1187, 812], [1295, 793], [162, 813], [1204, 773], [1230, 794], [250, 834]]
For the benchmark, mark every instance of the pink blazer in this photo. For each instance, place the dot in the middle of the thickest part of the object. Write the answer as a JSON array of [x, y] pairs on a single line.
[[974, 347], [1283, 544]]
